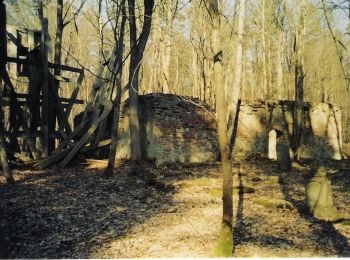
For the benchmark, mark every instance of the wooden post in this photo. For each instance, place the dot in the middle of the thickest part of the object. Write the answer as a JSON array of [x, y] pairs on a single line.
[[45, 90]]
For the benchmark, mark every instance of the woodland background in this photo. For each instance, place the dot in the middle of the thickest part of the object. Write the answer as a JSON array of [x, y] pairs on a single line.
[[178, 55]]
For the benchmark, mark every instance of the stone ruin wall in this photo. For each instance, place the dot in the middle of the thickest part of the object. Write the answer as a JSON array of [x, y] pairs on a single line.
[[175, 129]]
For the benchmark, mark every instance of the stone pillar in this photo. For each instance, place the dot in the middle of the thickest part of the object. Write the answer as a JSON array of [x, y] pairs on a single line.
[[319, 195], [334, 133], [319, 115], [282, 151], [272, 145]]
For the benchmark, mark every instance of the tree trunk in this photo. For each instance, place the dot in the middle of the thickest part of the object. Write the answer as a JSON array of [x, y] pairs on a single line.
[[3, 54], [279, 66], [299, 84], [166, 44], [137, 49], [263, 49], [336, 44], [235, 92], [4, 160], [195, 73], [59, 33], [116, 103], [224, 246]]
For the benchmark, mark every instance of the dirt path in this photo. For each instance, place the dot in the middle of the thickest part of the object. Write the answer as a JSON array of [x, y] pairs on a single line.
[[77, 214]]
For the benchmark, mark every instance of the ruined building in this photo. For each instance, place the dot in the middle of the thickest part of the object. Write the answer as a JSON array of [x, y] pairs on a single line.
[[176, 129]]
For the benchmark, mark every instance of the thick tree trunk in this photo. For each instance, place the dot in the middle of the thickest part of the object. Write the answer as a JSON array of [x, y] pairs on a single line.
[[3, 54], [137, 50], [3, 155]]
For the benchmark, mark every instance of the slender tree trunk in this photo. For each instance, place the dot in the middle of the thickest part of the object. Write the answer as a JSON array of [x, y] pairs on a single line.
[[177, 85], [195, 73], [279, 66], [299, 84], [40, 9], [235, 91], [166, 46], [117, 67], [224, 246], [137, 50], [99, 28], [263, 49], [336, 44], [59, 33], [156, 36]]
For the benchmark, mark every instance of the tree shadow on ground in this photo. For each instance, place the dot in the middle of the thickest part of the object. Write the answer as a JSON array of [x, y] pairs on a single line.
[[316, 236], [242, 232], [73, 212], [322, 228]]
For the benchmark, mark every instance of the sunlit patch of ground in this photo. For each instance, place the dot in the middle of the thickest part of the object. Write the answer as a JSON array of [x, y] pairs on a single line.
[[96, 164], [76, 213]]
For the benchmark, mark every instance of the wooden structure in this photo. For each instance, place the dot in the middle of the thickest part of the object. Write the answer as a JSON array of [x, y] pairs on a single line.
[[31, 131], [30, 117]]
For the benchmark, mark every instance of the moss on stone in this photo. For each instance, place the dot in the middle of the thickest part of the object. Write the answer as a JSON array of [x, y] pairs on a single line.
[[265, 203], [344, 222], [274, 179], [197, 183], [224, 244], [217, 192]]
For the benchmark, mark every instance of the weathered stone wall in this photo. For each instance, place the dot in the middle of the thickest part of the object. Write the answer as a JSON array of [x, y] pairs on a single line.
[[173, 130], [179, 130]]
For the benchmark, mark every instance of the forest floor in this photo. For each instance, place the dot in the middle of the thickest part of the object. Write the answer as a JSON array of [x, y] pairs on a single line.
[[172, 211]]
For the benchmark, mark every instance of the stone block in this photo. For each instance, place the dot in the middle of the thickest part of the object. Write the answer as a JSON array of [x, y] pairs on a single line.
[[319, 196]]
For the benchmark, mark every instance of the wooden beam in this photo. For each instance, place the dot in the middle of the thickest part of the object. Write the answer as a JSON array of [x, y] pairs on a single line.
[[87, 135], [74, 94], [24, 134], [92, 147], [19, 156], [7, 102], [50, 65], [40, 97], [60, 78], [16, 107], [52, 159], [61, 115], [45, 90]]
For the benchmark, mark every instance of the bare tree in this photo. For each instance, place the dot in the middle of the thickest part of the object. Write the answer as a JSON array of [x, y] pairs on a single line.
[[299, 83], [234, 92], [337, 42], [117, 76], [62, 21], [224, 246], [137, 47]]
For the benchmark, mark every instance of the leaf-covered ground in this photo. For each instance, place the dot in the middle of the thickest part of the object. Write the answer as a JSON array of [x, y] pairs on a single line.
[[168, 212]]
